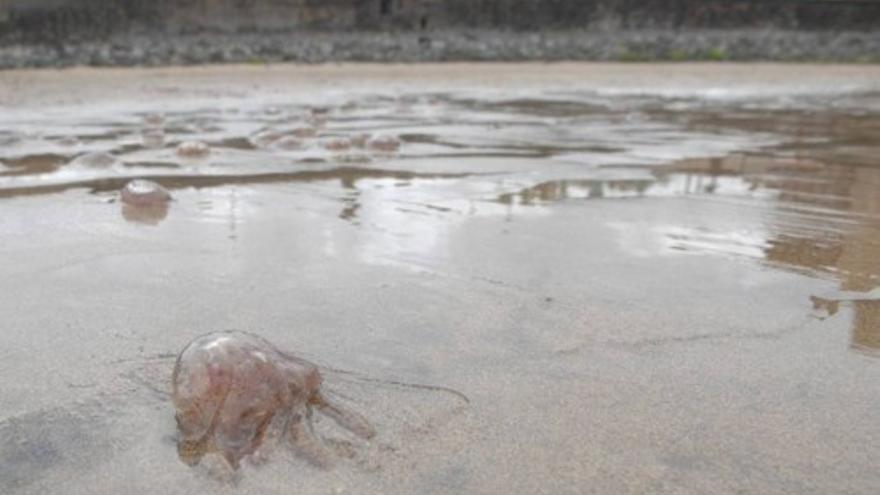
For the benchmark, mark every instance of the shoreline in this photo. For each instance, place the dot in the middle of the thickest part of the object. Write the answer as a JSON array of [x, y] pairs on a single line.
[[95, 86]]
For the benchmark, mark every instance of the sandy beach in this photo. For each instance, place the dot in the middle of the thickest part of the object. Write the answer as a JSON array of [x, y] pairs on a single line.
[[569, 278]]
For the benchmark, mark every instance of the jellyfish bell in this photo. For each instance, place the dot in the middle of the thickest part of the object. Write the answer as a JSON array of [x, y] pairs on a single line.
[[145, 202], [141, 192], [336, 144], [193, 149], [384, 143], [96, 159]]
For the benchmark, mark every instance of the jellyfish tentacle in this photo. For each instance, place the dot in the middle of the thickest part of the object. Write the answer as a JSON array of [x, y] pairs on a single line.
[[344, 417], [307, 444]]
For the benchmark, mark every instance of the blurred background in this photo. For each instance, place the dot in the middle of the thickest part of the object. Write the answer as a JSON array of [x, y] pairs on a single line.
[[129, 32]]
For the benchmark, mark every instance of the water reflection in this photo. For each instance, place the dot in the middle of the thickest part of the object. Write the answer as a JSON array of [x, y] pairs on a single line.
[[826, 223], [351, 200], [147, 215], [865, 335], [559, 190], [807, 201], [866, 326], [817, 218]]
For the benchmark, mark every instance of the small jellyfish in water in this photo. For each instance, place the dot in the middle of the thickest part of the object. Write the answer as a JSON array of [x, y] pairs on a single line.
[[144, 201], [140, 192], [193, 149], [282, 139], [97, 159], [384, 143], [232, 390], [336, 144]]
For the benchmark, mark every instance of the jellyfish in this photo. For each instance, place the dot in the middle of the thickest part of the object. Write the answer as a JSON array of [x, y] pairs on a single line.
[[230, 390], [144, 201], [336, 144], [97, 159], [140, 192], [193, 149], [384, 143]]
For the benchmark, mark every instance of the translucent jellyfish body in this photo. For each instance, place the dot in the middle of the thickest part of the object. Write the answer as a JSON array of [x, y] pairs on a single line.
[[193, 149], [232, 390], [336, 144], [291, 139], [146, 193], [98, 159], [144, 201], [384, 143]]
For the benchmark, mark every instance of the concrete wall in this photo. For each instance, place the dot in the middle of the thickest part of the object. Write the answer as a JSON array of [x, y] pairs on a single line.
[[56, 20]]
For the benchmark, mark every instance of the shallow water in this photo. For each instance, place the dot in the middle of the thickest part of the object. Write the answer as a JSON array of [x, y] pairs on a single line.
[[546, 289]]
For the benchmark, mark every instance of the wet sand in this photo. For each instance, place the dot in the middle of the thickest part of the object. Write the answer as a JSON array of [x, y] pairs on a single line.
[[570, 278]]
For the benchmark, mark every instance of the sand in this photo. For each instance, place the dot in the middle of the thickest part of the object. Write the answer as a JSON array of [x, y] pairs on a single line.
[[572, 278]]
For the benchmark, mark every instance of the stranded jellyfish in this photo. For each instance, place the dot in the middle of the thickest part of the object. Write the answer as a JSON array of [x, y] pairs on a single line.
[[97, 159], [232, 390], [144, 201], [140, 192], [193, 149], [384, 143], [336, 144], [282, 139]]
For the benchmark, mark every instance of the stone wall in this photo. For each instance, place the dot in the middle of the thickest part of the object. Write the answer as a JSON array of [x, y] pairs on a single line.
[[56, 33], [36, 20]]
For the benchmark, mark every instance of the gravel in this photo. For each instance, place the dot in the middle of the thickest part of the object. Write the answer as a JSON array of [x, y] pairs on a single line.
[[455, 45]]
